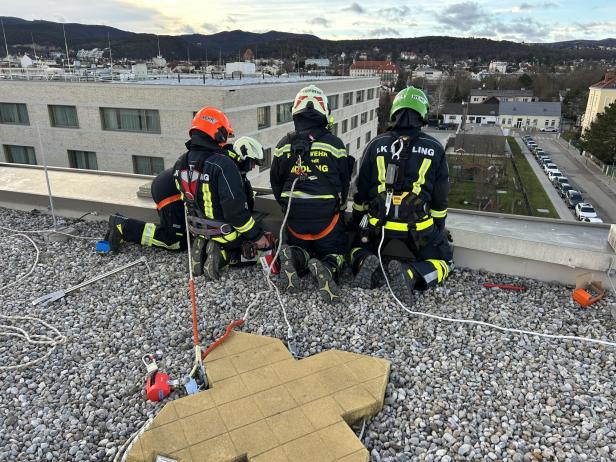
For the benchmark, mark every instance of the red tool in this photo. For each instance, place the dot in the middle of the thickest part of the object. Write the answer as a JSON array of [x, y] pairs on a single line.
[[158, 385], [591, 294], [505, 286]]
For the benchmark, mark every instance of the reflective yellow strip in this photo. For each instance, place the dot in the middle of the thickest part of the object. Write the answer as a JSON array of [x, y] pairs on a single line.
[[303, 195], [174, 246], [382, 170], [247, 226], [360, 207], [438, 213], [410, 273], [207, 200], [425, 165], [148, 234], [282, 150], [226, 238], [329, 148], [439, 268], [398, 226], [424, 224], [354, 251]]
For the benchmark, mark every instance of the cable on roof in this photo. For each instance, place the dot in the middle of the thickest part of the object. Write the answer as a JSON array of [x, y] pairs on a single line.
[[52, 340], [483, 323]]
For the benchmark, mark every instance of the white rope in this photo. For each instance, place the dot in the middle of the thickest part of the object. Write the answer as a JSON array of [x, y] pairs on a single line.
[[482, 323], [7, 330], [128, 444]]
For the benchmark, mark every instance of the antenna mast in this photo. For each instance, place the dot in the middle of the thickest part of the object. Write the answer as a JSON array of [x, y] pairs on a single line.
[[33, 48], [110, 56], [68, 61], [158, 42], [6, 47]]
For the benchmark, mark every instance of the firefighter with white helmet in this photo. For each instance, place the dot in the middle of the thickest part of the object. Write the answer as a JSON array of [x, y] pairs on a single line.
[[312, 170]]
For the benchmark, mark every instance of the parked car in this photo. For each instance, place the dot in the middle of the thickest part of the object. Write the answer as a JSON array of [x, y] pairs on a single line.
[[545, 160], [550, 129], [539, 152], [560, 180], [592, 220], [574, 198], [584, 210], [549, 167], [553, 174], [563, 189]]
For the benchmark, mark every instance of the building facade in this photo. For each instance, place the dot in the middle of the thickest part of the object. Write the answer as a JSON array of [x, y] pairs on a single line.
[[480, 95], [529, 115], [386, 70], [141, 128], [483, 114], [601, 95]]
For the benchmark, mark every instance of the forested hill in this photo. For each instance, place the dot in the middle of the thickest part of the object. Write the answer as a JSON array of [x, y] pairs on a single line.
[[48, 35]]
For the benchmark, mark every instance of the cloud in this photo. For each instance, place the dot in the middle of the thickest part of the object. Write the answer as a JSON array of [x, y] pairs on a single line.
[[550, 5], [209, 27], [320, 21], [231, 19], [383, 32], [395, 13], [525, 7], [355, 8], [462, 16]]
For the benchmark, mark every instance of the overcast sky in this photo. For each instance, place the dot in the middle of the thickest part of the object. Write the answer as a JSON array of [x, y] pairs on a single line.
[[534, 21]]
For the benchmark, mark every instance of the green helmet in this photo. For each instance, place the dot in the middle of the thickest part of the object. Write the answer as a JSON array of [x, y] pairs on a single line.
[[410, 98]]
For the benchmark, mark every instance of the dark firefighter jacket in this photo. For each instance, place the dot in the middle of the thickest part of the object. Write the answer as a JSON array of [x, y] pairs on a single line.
[[426, 177], [328, 170], [213, 178]]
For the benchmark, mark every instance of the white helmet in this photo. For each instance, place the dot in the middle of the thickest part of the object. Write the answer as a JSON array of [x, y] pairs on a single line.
[[247, 147], [311, 97]]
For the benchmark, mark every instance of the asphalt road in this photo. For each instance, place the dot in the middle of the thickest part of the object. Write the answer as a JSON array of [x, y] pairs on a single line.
[[587, 181]]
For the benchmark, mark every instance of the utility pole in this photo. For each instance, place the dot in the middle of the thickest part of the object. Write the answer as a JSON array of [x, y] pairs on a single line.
[[110, 57], [33, 48], [6, 47]]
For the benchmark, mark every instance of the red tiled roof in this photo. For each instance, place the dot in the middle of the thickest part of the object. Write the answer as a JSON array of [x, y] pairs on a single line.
[[377, 65], [609, 81]]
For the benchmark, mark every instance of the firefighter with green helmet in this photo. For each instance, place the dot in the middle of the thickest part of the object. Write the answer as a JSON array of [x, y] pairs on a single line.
[[402, 189]]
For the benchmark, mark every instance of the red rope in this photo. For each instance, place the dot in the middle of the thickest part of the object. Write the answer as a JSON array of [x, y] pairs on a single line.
[[193, 300], [224, 337], [505, 286]]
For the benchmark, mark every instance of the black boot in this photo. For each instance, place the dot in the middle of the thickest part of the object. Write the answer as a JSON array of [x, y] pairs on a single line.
[[402, 280], [292, 261], [367, 272], [216, 259], [114, 231], [324, 274], [198, 255]]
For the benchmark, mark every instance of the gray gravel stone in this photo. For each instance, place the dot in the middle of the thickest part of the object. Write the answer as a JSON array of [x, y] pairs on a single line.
[[456, 392]]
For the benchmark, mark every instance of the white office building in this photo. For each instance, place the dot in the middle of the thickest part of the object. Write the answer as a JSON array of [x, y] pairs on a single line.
[[136, 127]]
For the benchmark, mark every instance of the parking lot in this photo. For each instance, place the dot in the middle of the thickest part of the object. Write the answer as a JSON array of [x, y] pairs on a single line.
[[571, 166]]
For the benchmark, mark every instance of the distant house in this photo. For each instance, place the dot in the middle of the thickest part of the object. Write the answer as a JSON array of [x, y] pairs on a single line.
[[320, 62], [386, 70], [427, 73], [408, 55], [537, 114], [26, 61], [601, 95], [249, 56], [480, 95], [498, 67], [483, 114]]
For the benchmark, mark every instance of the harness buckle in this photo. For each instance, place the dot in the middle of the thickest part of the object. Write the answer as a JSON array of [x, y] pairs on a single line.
[[222, 229]]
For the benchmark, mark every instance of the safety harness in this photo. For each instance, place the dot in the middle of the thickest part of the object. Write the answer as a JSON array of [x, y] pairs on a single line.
[[188, 178], [301, 145]]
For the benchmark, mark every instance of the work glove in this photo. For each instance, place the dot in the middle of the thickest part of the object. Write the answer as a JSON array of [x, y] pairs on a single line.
[[266, 241]]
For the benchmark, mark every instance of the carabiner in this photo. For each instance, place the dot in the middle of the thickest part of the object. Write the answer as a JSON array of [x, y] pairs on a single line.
[[396, 151]]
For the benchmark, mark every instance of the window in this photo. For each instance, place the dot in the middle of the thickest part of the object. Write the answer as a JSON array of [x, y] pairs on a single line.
[[371, 114], [263, 117], [358, 142], [345, 125], [360, 96], [267, 160], [353, 122], [348, 148], [63, 116], [20, 154], [364, 117], [82, 159], [546, 122], [130, 120], [508, 121], [14, 113], [333, 102], [335, 129], [144, 165], [502, 121], [283, 113], [347, 99], [370, 93], [534, 122], [368, 136], [553, 122]]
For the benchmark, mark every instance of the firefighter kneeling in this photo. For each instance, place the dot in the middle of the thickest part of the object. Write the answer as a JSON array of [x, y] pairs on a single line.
[[213, 192], [402, 190]]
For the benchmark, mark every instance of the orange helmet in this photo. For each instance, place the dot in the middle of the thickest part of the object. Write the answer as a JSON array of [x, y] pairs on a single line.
[[214, 123]]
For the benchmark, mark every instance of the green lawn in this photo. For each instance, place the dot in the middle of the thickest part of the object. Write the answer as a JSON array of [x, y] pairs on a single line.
[[537, 196]]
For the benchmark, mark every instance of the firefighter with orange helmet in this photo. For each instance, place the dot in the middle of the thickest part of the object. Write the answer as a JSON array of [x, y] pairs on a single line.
[[210, 184]]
